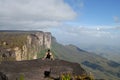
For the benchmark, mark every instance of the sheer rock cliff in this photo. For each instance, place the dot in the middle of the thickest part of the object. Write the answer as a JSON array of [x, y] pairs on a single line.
[[23, 45]]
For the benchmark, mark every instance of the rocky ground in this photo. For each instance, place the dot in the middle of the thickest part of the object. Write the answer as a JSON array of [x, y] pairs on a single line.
[[38, 69]]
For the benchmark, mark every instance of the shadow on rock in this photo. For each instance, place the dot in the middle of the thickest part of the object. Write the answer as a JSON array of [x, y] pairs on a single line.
[[3, 76]]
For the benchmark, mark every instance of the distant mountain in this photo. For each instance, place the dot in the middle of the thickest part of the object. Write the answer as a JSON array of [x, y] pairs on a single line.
[[108, 51], [102, 68]]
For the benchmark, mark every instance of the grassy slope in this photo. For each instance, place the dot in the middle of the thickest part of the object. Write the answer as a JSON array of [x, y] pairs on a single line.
[[106, 51], [74, 54]]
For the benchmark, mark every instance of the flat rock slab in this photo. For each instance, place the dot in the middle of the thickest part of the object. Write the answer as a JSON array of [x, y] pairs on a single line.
[[39, 69]]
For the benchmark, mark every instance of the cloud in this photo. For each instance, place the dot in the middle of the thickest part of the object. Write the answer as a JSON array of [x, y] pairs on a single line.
[[34, 14], [116, 19], [87, 35]]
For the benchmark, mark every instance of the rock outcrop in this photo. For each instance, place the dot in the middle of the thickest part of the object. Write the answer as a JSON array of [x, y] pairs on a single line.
[[23, 45], [40, 69]]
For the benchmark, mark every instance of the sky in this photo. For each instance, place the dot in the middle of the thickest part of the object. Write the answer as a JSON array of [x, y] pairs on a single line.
[[79, 22]]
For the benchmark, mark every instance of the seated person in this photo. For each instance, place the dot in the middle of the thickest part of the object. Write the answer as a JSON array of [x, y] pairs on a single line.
[[48, 55]]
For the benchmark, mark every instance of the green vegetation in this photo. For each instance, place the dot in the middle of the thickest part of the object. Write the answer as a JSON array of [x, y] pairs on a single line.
[[66, 77], [42, 52], [22, 77], [69, 76]]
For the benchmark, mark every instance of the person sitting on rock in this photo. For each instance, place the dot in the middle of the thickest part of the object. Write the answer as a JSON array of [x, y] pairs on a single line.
[[48, 55]]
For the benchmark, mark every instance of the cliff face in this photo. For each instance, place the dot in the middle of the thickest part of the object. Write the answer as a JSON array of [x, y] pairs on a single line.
[[24, 49], [35, 43]]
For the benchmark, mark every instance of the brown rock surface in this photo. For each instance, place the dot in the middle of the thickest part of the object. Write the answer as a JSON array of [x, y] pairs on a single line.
[[36, 69]]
